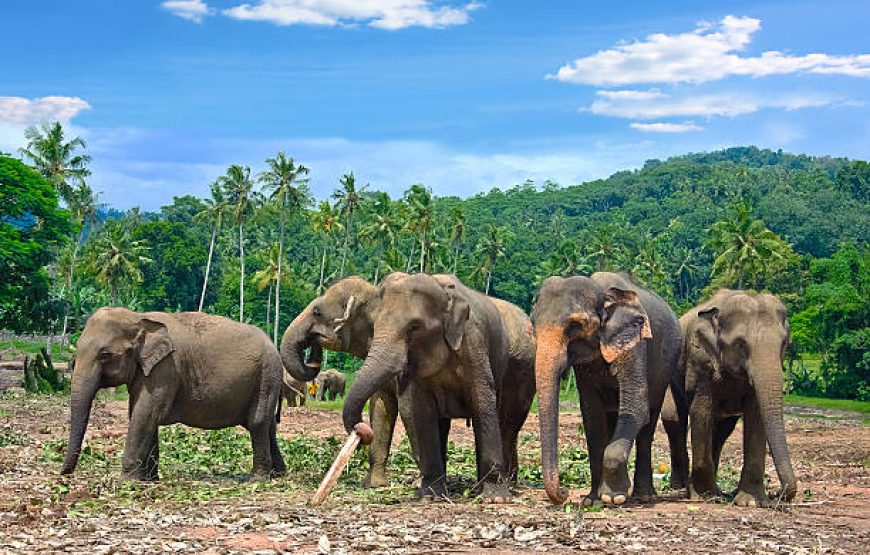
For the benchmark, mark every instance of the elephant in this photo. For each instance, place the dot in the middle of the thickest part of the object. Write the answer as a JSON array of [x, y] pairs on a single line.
[[330, 385], [196, 369], [342, 319], [622, 341], [449, 348], [733, 349], [295, 391]]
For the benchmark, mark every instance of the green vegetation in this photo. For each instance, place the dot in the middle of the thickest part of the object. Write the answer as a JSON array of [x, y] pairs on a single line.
[[743, 217], [847, 405]]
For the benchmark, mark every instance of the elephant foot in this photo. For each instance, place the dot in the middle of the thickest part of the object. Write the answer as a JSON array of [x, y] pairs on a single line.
[[702, 490], [677, 484], [496, 493], [614, 489], [589, 500], [643, 494], [433, 491], [376, 479], [753, 498]]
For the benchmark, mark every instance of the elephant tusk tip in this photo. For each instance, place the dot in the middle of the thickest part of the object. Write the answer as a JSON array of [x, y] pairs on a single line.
[[365, 433]]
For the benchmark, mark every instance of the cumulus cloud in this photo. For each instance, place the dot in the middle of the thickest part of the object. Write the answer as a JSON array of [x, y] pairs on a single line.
[[192, 10], [384, 14], [17, 111], [662, 127], [647, 105], [709, 53]]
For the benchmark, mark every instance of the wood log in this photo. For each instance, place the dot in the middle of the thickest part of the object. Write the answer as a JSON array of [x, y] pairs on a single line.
[[361, 433]]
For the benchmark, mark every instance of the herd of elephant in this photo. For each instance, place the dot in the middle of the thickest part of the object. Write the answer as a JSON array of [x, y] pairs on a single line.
[[435, 350]]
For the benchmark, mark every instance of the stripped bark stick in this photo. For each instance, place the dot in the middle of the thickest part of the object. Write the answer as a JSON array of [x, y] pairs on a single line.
[[361, 433]]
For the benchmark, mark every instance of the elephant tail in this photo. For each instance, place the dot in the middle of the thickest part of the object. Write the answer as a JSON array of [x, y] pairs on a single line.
[[278, 412]]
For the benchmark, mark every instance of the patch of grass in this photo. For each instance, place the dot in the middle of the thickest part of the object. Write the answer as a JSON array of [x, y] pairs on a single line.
[[847, 405], [325, 405], [20, 349], [11, 436]]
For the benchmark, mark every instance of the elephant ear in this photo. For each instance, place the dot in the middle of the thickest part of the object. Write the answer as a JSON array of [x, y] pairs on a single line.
[[624, 323], [455, 317], [707, 332], [154, 344]]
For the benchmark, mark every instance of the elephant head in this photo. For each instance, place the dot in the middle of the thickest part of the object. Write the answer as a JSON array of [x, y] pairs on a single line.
[[339, 320], [576, 321], [419, 325], [116, 347], [746, 336]]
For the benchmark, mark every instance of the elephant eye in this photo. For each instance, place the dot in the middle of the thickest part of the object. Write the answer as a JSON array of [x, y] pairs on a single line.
[[573, 328], [105, 356]]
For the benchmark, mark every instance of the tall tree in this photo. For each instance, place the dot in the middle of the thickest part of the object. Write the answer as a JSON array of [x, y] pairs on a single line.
[[348, 201], [240, 189], [743, 247], [286, 185], [83, 205], [492, 247], [457, 233], [214, 213], [326, 221], [56, 158], [382, 229], [269, 275], [116, 258], [421, 210]]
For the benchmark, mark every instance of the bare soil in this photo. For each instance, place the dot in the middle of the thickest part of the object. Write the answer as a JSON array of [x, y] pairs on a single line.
[[41, 511]]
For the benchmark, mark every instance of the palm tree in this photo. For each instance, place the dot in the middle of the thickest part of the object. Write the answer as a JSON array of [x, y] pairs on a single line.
[[239, 187], [83, 206], [457, 233], [743, 247], [420, 212], [269, 276], [348, 200], [325, 221], [383, 228], [56, 159], [565, 261], [492, 247], [117, 258], [288, 189], [214, 213]]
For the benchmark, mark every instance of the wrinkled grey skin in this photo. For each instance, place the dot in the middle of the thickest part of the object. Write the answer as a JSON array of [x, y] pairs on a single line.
[[330, 385], [295, 391], [675, 420], [449, 348], [623, 342], [733, 349], [178, 368], [315, 328]]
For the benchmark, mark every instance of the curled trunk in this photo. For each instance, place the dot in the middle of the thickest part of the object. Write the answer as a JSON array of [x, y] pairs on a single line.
[[383, 363], [550, 360], [768, 392], [293, 346], [84, 388]]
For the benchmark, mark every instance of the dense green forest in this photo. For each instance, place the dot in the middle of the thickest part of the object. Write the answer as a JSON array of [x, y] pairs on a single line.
[[742, 217]]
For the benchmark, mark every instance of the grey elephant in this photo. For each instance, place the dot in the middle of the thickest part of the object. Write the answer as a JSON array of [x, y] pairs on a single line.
[[295, 391], [330, 385], [449, 349], [733, 349], [196, 369], [622, 341], [342, 320]]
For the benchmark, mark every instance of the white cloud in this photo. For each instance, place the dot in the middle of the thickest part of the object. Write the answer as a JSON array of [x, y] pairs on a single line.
[[17, 111], [384, 14], [193, 10], [655, 104], [708, 53], [661, 127]]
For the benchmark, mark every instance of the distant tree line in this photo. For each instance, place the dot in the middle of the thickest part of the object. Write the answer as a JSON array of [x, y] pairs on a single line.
[[259, 247]]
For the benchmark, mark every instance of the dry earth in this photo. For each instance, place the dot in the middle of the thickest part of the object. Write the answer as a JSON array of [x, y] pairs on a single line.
[[43, 512]]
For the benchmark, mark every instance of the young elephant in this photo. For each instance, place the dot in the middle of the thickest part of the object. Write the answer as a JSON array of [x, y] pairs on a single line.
[[449, 348], [622, 341], [733, 349], [201, 370], [330, 385]]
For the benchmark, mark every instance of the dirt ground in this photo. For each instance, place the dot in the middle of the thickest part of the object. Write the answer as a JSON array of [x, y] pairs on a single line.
[[41, 511]]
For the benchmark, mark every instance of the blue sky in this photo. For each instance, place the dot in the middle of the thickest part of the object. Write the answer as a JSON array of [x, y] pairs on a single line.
[[457, 94]]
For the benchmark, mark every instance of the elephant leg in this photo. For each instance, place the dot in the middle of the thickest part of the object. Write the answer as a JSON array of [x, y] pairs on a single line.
[[750, 490], [677, 433], [262, 447], [516, 402], [487, 436], [702, 482], [644, 490], [444, 432], [422, 421], [278, 466], [383, 410], [597, 434], [141, 453], [721, 432]]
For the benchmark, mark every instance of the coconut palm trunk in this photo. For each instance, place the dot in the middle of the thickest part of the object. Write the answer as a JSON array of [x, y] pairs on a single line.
[[242, 269], [322, 270], [278, 282], [208, 265]]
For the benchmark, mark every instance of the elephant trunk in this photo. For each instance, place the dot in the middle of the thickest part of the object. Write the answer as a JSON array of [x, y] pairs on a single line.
[[767, 381], [293, 345], [550, 361], [383, 363], [84, 389]]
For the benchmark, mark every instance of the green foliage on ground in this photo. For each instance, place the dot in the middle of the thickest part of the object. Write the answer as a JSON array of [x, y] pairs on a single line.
[[847, 405]]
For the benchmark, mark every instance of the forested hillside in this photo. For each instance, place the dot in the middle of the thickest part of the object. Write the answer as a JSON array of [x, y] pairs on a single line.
[[742, 217]]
